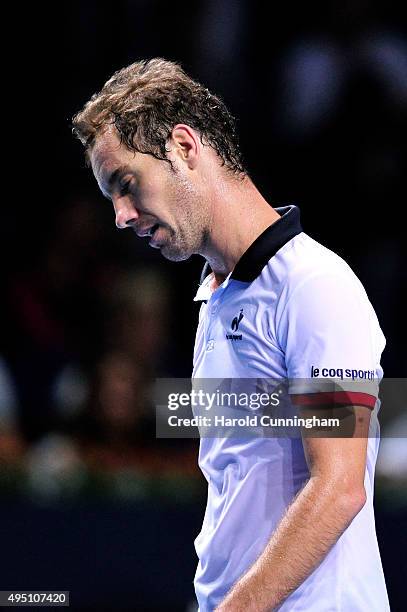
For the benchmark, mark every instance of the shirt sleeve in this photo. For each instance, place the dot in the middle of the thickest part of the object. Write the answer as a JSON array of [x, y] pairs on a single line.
[[332, 342]]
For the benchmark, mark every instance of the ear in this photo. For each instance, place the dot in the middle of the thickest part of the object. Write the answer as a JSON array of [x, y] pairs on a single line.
[[185, 144]]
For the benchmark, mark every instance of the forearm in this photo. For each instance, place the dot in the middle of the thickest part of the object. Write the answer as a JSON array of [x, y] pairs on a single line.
[[310, 527]]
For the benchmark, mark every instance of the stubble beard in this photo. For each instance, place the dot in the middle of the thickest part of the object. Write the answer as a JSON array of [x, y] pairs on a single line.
[[190, 235]]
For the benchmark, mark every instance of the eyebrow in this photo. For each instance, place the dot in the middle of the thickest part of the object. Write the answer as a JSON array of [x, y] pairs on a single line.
[[115, 175]]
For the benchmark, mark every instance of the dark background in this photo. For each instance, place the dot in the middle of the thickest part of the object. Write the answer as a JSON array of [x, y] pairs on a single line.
[[90, 500]]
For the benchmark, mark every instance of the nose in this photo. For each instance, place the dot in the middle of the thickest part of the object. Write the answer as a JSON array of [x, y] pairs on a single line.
[[126, 215]]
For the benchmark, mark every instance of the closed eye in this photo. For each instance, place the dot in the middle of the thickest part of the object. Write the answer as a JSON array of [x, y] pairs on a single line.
[[124, 188]]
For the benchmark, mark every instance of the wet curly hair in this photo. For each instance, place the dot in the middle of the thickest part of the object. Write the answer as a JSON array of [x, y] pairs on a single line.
[[145, 100]]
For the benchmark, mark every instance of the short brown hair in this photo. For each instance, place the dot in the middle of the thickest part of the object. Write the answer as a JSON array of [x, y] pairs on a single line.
[[146, 99]]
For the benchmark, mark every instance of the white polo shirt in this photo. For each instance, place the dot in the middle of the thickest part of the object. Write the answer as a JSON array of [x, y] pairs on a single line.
[[292, 309]]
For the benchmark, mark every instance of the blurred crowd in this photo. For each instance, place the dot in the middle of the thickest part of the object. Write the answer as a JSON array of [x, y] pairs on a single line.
[[87, 339]]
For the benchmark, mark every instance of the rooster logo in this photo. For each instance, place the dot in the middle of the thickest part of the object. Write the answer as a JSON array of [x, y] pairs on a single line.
[[236, 321]]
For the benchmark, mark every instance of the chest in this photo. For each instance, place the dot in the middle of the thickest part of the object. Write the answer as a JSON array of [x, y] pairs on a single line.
[[236, 337]]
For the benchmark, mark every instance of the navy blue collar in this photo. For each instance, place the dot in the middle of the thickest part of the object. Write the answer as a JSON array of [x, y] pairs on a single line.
[[265, 246]]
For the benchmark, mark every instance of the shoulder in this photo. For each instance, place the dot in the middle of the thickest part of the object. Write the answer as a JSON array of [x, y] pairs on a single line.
[[304, 262]]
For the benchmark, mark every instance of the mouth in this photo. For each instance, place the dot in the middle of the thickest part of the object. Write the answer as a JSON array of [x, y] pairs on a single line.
[[154, 229], [154, 233], [148, 231]]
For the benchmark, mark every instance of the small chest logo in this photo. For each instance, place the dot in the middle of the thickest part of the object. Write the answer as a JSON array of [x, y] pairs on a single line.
[[235, 326]]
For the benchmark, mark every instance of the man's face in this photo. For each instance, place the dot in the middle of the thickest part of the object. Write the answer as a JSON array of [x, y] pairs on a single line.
[[150, 197]]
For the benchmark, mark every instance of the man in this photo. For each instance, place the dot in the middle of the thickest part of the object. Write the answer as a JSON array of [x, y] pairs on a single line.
[[289, 523]]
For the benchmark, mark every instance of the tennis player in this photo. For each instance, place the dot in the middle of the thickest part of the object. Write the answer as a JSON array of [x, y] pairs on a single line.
[[289, 523]]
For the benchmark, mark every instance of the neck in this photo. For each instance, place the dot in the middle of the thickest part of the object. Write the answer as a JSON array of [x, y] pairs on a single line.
[[239, 214]]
